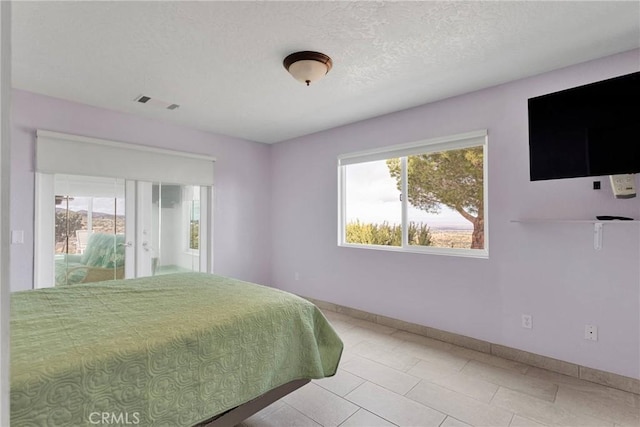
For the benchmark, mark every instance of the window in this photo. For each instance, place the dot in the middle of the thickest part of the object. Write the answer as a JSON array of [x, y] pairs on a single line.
[[428, 196]]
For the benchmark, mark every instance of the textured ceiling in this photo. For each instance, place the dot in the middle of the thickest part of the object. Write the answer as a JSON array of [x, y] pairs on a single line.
[[222, 61]]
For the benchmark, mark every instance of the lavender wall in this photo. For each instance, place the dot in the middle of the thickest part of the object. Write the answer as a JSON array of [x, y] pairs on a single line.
[[550, 271], [241, 211]]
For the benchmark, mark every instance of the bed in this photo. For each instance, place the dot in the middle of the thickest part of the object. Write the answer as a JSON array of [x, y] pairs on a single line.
[[174, 350]]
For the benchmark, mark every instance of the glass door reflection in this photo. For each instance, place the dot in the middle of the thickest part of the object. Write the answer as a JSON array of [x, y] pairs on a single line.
[[171, 238], [89, 229]]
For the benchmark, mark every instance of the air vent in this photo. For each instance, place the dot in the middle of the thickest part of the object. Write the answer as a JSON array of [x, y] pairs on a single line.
[[143, 99]]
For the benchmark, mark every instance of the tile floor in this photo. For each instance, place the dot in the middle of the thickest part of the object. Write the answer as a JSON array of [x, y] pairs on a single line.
[[389, 377]]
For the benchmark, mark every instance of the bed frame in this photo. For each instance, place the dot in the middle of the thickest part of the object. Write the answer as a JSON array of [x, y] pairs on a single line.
[[240, 413]]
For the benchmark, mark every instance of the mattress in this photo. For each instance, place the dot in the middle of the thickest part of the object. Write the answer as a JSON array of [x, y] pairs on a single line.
[[171, 350]]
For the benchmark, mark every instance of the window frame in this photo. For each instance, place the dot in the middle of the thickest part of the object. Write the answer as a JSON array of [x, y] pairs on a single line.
[[187, 211], [452, 142]]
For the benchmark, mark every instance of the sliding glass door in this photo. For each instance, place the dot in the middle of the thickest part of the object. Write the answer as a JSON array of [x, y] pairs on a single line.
[[170, 228], [95, 229], [89, 229]]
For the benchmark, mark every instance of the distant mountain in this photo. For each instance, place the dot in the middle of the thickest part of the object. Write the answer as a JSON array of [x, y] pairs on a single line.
[[94, 215]]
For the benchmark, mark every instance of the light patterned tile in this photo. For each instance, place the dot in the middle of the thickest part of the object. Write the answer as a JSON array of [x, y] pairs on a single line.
[[602, 391], [373, 326], [357, 334], [420, 339], [508, 378], [428, 371], [599, 403], [382, 354], [432, 371], [334, 316], [452, 422], [279, 415], [535, 360], [341, 383], [320, 405], [459, 406], [381, 375], [543, 411], [490, 359], [364, 418], [556, 378], [394, 407], [435, 356], [469, 386], [519, 421], [341, 326]]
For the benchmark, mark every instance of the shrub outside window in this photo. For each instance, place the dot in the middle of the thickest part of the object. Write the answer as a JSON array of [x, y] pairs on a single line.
[[428, 196]]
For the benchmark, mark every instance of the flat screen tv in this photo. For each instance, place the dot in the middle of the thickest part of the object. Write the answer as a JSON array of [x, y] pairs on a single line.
[[589, 130]]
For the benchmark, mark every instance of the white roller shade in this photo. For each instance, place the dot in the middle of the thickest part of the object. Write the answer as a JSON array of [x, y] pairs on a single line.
[[88, 186], [453, 142], [76, 155]]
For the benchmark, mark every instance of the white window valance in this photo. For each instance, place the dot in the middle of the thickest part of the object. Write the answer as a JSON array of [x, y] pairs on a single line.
[[459, 141], [59, 153]]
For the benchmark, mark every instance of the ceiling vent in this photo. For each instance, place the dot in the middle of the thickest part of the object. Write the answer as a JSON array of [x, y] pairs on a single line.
[[143, 99]]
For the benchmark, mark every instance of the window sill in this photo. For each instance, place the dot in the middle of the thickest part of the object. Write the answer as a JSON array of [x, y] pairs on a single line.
[[466, 253]]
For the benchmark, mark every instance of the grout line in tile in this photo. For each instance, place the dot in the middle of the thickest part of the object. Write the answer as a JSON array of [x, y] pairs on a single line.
[[522, 392], [351, 416], [494, 394], [378, 415], [413, 388], [382, 363], [459, 392], [302, 413]]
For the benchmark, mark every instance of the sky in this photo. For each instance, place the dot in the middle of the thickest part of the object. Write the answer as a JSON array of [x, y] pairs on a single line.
[[373, 197], [100, 204]]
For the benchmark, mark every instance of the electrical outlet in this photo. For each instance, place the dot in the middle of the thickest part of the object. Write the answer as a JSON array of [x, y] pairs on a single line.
[[296, 276], [591, 332], [527, 321]]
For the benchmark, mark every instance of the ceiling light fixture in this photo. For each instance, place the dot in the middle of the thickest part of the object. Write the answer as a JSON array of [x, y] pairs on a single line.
[[307, 66]]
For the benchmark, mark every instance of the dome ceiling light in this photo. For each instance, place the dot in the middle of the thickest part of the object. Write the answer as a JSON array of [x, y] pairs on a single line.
[[307, 67]]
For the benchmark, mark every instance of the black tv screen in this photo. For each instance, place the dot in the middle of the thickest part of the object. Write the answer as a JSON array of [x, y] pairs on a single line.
[[589, 130]]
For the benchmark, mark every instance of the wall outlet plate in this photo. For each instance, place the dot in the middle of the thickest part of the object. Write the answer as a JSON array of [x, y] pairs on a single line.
[[527, 321], [591, 332]]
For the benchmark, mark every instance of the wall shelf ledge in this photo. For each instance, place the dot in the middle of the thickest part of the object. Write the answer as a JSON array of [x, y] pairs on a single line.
[[597, 225], [573, 221]]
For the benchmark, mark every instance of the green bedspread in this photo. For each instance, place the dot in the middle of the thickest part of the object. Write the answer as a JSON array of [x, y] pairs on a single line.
[[170, 350]]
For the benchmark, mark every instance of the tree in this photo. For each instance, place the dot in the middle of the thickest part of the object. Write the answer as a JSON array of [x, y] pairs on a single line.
[[387, 234], [67, 222], [453, 178]]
